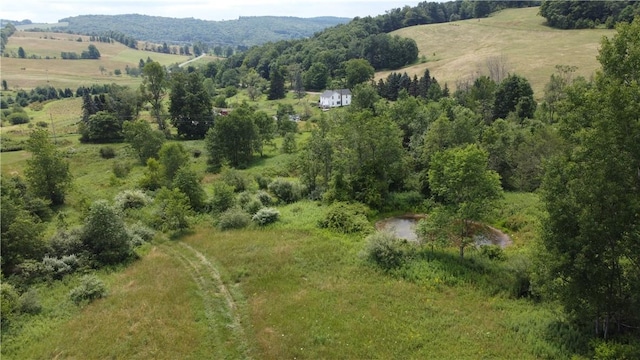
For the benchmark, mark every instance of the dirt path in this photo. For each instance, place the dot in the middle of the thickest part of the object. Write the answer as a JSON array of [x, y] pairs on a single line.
[[221, 309], [192, 60]]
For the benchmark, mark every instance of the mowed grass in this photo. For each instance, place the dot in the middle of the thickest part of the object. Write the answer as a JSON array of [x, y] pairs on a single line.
[[30, 73], [459, 50]]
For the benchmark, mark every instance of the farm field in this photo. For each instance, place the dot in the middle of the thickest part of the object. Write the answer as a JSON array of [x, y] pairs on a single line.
[[30, 73], [459, 50]]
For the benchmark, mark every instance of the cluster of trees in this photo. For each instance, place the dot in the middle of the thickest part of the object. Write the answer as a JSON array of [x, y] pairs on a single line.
[[112, 35], [103, 115], [6, 31], [92, 52], [245, 31], [588, 14], [426, 86]]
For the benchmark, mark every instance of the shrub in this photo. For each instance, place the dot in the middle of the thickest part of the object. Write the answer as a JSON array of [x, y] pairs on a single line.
[[266, 216], [235, 178], [187, 181], [285, 190], [42, 124], [29, 302], [223, 197], [131, 199], [492, 252], [264, 198], [346, 218], [234, 218], [57, 268], [196, 153], [66, 242], [8, 301], [121, 169], [173, 210], [17, 118], [407, 201], [263, 181], [105, 235], [107, 152], [385, 250], [144, 232], [253, 206], [90, 288]]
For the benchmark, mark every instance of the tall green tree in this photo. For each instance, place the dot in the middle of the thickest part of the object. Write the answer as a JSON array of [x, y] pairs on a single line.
[[154, 85], [47, 171], [358, 71], [276, 86], [190, 108], [21, 53], [143, 139], [105, 234], [467, 190], [591, 237], [317, 77], [514, 94], [232, 139], [172, 156]]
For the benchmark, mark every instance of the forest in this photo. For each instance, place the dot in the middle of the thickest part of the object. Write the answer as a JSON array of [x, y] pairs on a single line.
[[208, 162]]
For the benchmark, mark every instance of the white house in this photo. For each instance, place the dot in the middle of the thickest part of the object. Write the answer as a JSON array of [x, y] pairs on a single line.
[[335, 98]]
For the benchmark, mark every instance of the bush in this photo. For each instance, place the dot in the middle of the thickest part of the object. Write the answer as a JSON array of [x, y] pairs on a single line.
[[285, 190], [144, 232], [346, 218], [266, 216], [385, 250], [235, 178], [196, 153], [29, 303], [107, 152], [131, 199], [66, 242], [234, 218], [9, 301], [407, 201], [223, 197], [90, 288], [57, 268], [252, 206], [264, 198], [121, 169], [17, 118], [42, 124], [263, 181], [492, 252], [105, 235]]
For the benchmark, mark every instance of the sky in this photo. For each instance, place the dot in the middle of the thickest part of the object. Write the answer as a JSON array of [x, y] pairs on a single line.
[[42, 11]]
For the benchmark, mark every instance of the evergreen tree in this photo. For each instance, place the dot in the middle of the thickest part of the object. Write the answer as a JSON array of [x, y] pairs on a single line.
[[276, 86]]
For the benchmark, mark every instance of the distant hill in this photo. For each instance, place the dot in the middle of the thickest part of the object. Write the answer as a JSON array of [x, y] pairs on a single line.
[[245, 31], [459, 51]]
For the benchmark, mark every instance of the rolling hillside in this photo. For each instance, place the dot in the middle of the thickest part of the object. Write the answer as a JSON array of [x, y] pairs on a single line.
[[459, 50], [29, 73]]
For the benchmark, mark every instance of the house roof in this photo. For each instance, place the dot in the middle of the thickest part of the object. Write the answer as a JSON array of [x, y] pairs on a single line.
[[329, 93]]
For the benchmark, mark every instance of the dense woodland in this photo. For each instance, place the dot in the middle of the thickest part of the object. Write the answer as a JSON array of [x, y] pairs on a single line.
[[588, 14], [403, 143]]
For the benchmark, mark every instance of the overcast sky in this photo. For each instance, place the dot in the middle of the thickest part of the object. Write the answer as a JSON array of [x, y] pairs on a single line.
[[54, 10]]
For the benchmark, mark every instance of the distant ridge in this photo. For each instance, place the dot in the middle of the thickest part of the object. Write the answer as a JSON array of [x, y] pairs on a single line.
[[245, 31]]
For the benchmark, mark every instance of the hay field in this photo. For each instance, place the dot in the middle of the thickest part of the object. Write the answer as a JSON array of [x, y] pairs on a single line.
[[29, 73], [459, 50]]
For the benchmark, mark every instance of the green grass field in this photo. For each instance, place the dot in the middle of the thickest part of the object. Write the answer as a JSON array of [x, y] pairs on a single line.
[[459, 50], [29, 73]]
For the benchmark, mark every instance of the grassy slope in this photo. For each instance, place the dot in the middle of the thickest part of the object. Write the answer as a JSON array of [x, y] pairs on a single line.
[[71, 73], [458, 50]]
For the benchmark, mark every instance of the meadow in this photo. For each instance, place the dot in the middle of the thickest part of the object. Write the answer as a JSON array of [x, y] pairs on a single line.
[[458, 51]]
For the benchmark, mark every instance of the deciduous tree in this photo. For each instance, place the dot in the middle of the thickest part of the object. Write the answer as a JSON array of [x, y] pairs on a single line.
[[47, 172]]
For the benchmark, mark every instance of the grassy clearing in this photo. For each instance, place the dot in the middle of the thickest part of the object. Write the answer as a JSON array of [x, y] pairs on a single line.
[[458, 50], [29, 73]]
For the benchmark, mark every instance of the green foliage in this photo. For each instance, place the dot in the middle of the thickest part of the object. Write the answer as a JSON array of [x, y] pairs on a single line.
[[107, 152], [317, 77], [514, 94], [286, 191], [264, 198], [102, 127], [236, 179], [346, 218], [187, 181], [223, 197], [145, 141], [266, 216], [105, 235], [276, 86], [233, 218], [172, 210], [131, 199], [190, 105], [385, 250], [67, 242], [172, 156], [29, 302], [288, 143], [47, 172], [581, 15], [468, 191], [152, 178], [154, 86], [357, 71], [91, 288], [121, 169], [9, 301], [17, 118], [232, 139]]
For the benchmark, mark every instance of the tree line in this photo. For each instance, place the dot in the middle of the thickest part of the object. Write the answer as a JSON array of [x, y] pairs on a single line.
[[588, 14]]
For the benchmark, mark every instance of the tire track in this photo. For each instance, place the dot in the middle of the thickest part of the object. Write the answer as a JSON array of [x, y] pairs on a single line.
[[221, 309]]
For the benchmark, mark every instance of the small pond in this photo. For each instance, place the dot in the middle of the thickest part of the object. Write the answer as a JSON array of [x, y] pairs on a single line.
[[404, 227]]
